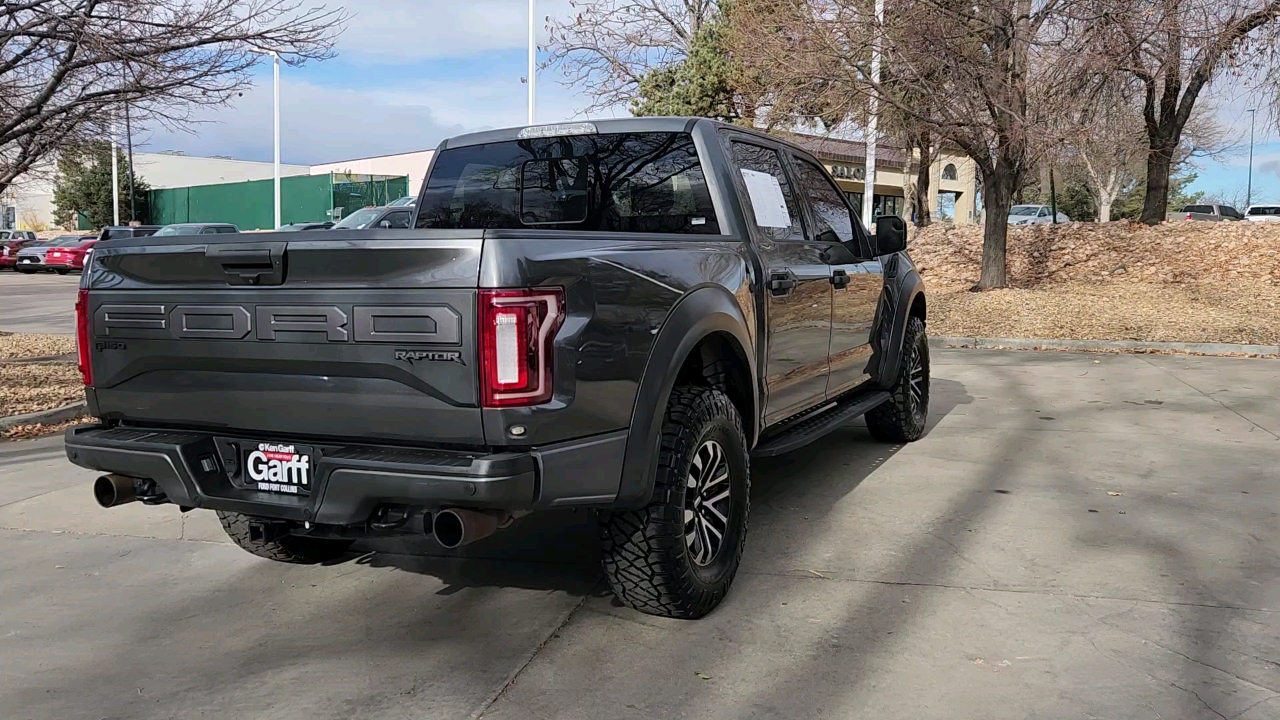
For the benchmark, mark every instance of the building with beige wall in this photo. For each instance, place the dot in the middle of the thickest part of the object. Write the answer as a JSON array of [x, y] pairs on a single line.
[[953, 180], [413, 164]]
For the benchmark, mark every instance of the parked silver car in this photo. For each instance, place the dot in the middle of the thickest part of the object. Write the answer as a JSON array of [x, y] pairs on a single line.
[[1034, 215], [1212, 213]]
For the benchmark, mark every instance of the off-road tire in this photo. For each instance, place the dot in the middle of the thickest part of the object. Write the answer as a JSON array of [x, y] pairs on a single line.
[[647, 560], [903, 417], [284, 548]]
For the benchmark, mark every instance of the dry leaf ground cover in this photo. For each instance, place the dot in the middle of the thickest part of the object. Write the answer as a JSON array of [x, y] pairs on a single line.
[[1175, 282], [26, 388], [21, 345]]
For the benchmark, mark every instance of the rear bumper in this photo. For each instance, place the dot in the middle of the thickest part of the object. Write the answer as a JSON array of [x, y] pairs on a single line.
[[200, 470]]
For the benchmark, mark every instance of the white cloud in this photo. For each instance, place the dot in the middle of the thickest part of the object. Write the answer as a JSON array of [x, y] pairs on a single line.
[[324, 124], [407, 30]]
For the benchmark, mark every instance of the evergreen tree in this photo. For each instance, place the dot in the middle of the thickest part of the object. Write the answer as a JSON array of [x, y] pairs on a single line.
[[702, 84], [82, 186]]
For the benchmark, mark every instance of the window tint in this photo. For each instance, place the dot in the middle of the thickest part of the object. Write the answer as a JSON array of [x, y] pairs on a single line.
[[835, 224], [1264, 210], [753, 158], [227, 229], [1202, 209], [398, 219], [1230, 211], [623, 182]]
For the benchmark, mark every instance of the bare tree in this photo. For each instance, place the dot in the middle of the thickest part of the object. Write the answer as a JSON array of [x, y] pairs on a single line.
[[67, 67], [608, 46], [968, 71], [1173, 49]]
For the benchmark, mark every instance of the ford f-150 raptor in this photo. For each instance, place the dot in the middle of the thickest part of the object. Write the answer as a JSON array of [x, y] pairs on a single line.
[[613, 316]]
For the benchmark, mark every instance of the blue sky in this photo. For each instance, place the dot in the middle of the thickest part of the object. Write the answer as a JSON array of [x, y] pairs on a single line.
[[410, 73]]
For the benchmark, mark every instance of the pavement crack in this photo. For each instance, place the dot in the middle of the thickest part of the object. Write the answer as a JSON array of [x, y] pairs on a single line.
[[830, 576], [1225, 406], [1211, 708], [1245, 711], [511, 678]]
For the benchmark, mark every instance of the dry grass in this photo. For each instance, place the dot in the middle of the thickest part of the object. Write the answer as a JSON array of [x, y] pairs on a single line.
[[20, 345], [38, 386], [26, 432], [1243, 313]]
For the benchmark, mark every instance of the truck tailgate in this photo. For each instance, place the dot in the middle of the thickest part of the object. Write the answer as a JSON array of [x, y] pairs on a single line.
[[339, 334]]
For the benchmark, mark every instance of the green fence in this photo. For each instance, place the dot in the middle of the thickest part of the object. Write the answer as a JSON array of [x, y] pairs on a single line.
[[251, 205]]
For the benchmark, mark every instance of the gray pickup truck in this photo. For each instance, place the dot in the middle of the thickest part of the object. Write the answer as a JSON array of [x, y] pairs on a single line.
[[613, 316]]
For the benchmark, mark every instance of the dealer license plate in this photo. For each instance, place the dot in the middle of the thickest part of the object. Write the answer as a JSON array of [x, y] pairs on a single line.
[[279, 468]]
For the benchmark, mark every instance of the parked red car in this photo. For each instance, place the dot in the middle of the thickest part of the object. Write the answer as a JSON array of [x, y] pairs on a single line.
[[9, 251], [63, 259]]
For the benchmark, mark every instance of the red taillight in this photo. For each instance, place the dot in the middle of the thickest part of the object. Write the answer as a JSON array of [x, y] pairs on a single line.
[[1188, 216], [517, 328], [82, 337]]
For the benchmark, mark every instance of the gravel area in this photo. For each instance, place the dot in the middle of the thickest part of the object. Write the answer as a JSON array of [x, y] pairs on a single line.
[[1151, 312], [38, 386], [19, 345]]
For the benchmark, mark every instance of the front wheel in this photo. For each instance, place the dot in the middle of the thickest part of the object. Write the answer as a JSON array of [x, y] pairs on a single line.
[[902, 418], [61, 271], [677, 556]]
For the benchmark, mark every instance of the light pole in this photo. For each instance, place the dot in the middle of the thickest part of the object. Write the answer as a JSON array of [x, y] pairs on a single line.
[[1248, 193], [533, 58], [869, 182], [115, 180], [275, 68]]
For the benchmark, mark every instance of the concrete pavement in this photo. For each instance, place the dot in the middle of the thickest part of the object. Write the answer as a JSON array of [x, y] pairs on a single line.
[[39, 303], [1077, 536]]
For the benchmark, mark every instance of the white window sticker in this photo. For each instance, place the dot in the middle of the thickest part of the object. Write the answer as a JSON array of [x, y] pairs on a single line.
[[767, 201]]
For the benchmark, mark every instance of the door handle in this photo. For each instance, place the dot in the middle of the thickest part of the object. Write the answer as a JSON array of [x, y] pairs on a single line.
[[840, 279], [781, 283]]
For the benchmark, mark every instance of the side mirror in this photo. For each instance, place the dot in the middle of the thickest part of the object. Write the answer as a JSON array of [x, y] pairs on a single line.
[[385, 224], [891, 235]]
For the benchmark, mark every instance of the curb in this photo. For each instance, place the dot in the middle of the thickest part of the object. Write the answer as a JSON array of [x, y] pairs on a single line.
[[38, 359], [1122, 346], [47, 417]]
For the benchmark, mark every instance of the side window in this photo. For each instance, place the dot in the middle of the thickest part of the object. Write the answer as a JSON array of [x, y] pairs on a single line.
[[1230, 211], [209, 231], [772, 201], [226, 229], [399, 219], [1044, 212], [835, 224]]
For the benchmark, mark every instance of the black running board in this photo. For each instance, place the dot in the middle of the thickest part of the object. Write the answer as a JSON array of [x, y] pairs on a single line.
[[811, 428]]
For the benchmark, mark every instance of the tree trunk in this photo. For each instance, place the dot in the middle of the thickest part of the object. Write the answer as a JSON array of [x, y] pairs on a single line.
[[1105, 201], [998, 187], [1155, 206], [924, 210]]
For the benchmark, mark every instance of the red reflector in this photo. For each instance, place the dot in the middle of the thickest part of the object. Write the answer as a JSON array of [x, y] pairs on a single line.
[[82, 337], [517, 329]]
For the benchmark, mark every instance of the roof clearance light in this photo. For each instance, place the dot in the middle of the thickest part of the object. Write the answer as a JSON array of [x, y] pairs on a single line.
[[542, 131]]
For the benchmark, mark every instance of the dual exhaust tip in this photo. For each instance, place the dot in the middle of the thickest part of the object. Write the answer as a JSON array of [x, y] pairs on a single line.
[[452, 527]]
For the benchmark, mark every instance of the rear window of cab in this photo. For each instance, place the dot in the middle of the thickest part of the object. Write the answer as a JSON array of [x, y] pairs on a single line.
[[620, 182]]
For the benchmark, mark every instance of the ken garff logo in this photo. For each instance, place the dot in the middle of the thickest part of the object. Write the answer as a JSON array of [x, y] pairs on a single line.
[[412, 356]]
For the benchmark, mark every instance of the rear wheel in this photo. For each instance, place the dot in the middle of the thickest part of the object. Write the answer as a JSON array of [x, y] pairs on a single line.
[[25, 271], [270, 539], [902, 418], [677, 556], [61, 271]]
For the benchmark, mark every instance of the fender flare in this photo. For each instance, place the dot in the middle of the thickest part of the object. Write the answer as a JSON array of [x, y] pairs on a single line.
[[702, 312], [909, 287]]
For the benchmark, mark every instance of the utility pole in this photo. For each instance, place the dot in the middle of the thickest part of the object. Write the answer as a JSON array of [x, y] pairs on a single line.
[[1248, 193], [115, 178], [128, 131], [869, 183], [533, 58], [275, 57]]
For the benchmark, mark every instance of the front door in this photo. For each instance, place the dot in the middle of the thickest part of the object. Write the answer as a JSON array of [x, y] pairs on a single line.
[[857, 279], [797, 285]]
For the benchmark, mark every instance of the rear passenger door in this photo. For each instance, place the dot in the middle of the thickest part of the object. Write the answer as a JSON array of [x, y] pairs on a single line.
[[797, 282], [856, 277]]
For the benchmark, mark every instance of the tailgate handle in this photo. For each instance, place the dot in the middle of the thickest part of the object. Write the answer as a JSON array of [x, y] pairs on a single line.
[[245, 264]]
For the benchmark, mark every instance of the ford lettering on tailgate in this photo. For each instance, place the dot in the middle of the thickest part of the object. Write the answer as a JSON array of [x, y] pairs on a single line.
[[425, 324]]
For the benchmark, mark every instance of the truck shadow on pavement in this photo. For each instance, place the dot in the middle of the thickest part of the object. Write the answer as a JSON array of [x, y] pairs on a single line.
[[558, 550]]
